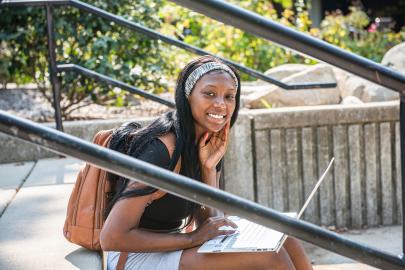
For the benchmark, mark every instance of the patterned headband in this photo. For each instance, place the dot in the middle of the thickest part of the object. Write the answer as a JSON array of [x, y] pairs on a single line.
[[204, 69]]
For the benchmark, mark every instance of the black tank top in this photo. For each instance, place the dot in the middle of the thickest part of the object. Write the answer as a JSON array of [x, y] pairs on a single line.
[[169, 213]]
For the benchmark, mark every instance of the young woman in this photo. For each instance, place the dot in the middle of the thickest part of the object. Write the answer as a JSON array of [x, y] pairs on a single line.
[[144, 226]]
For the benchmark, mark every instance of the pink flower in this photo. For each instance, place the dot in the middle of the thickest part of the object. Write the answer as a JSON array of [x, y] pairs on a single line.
[[372, 28]]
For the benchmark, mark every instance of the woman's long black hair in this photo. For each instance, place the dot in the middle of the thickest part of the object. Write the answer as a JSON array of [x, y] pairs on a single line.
[[132, 140]]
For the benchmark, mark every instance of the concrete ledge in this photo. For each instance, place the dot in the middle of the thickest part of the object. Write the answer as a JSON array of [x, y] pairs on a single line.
[[325, 115], [14, 150]]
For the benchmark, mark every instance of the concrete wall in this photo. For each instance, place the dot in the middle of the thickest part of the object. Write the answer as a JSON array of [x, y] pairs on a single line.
[[276, 156]]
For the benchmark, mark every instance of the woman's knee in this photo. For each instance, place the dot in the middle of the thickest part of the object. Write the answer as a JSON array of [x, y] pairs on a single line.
[[280, 260]]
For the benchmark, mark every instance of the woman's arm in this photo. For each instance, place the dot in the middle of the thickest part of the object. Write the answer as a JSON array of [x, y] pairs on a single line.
[[121, 233], [206, 212], [211, 151]]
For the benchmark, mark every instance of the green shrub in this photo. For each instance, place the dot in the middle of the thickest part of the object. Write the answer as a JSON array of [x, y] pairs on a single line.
[[102, 46], [346, 31], [351, 32], [232, 43], [86, 40]]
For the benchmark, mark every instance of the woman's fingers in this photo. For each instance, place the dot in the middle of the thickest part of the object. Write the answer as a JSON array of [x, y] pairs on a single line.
[[218, 222]]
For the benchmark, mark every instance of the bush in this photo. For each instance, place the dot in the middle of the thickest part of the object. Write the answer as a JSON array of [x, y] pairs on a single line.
[[86, 40], [102, 46], [232, 43], [350, 32], [355, 32]]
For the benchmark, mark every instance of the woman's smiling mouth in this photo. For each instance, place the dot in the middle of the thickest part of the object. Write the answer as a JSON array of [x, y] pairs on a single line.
[[216, 116]]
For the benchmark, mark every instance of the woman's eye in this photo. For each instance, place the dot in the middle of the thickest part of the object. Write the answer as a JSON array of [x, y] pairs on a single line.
[[210, 94], [230, 97]]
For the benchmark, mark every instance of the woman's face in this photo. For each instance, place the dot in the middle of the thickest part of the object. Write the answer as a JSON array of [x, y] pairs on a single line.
[[212, 102]]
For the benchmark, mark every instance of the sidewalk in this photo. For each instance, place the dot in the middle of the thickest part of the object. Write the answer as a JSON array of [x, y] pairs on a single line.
[[33, 196], [31, 226]]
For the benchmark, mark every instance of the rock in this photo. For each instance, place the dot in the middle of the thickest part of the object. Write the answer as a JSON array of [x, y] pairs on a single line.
[[395, 58], [277, 73], [285, 70], [351, 100], [250, 88], [365, 90], [279, 97]]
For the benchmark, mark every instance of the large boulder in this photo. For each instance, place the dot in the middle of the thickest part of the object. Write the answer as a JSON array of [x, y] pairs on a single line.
[[365, 90], [285, 70], [279, 97], [277, 73], [395, 58], [351, 100]]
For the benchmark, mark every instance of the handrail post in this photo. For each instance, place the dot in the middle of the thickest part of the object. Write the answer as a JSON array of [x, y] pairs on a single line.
[[402, 138], [53, 71]]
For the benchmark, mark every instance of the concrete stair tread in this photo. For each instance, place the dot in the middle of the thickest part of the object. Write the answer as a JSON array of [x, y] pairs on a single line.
[[345, 266]]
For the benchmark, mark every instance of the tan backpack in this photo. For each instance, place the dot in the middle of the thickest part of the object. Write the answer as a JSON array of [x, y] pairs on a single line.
[[88, 201], [90, 197]]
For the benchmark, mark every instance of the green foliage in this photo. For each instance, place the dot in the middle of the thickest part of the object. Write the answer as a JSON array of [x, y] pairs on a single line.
[[346, 31], [232, 43], [351, 33], [86, 40], [97, 44]]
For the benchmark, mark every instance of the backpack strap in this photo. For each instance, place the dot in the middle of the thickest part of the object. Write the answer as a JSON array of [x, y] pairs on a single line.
[[121, 261]]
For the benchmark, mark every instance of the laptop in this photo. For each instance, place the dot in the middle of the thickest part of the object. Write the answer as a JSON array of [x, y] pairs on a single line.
[[252, 237]]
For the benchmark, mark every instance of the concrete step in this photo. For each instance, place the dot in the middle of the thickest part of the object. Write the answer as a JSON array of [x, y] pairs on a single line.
[[344, 266], [386, 238], [31, 227]]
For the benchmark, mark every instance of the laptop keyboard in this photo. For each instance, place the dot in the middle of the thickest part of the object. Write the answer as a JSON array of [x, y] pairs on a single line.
[[252, 234]]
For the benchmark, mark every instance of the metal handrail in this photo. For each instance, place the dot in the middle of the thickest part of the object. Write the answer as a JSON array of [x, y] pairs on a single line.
[[192, 190], [110, 81], [156, 35]]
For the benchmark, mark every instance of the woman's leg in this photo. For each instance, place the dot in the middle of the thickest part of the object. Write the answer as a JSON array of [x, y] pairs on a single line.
[[297, 254], [191, 260]]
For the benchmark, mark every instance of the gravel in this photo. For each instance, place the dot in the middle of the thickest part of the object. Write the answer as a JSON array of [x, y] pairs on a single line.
[[29, 103]]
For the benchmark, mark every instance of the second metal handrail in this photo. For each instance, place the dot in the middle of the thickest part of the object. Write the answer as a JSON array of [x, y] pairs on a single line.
[[110, 81]]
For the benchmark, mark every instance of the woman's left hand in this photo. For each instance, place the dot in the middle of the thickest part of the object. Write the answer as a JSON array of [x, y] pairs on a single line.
[[212, 149]]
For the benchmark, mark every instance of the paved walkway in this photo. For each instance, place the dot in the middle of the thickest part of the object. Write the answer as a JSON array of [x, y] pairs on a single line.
[[31, 226], [33, 197]]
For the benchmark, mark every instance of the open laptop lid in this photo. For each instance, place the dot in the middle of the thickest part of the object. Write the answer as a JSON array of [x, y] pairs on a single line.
[[213, 247], [314, 190]]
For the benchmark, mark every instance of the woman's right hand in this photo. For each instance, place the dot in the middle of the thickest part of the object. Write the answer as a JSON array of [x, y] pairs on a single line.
[[210, 229]]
